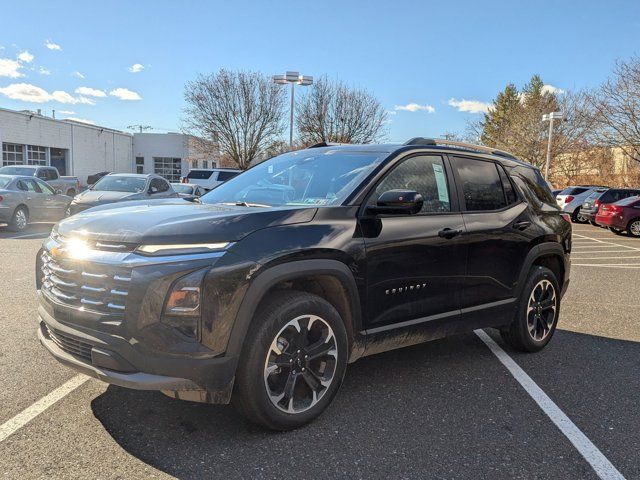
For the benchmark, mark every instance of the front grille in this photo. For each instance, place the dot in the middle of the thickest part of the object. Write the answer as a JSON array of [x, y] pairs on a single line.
[[86, 285], [70, 344]]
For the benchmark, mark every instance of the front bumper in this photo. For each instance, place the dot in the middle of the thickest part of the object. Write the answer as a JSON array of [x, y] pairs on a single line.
[[112, 359]]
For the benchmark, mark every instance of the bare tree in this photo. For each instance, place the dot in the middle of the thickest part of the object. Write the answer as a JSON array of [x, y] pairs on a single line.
[[617, 106], [242, 110], [335, 112]]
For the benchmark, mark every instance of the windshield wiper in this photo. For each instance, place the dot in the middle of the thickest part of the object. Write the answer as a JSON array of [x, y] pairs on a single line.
[[245, 204]]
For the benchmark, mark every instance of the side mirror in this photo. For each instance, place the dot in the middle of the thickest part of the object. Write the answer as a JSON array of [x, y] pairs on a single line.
[[403, 202], [58, 191]]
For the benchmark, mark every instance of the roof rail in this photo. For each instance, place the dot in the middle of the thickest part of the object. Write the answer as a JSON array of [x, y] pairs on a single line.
[[326, 144], [453, 143]]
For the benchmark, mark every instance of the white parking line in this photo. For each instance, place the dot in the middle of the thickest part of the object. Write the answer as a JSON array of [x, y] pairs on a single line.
[[26, 235], [606, 258], [607, 265], [602, 466], [599, 251], [20, 420]]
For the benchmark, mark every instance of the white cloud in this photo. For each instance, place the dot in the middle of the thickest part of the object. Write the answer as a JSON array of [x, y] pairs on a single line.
[[67, 112], [25, 57], [86, 101], [32, 93], [77, 74], [124, 94], [415, 107], [136, 68], [44, 71], [90, 92], [551, 89], [471, 106], [52, 46], [10, 68], [81, 120]]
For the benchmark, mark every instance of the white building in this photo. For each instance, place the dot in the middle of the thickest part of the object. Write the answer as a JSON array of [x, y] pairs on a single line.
[[80, 149]]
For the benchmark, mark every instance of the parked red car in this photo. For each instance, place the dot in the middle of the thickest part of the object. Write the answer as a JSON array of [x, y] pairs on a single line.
[[623, 215]]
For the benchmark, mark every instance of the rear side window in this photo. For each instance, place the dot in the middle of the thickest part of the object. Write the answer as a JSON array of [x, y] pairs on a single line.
[[200, 174], [481, 185], [507, 186], [224, 176], [536, 183]]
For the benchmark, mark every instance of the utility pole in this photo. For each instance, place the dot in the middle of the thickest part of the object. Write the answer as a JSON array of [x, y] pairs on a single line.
[[550, 117], [294, 78], [140, 127]]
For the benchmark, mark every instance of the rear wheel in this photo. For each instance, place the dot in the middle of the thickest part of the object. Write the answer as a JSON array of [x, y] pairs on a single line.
[[293, 361], [634, 227], [537, 314], [19, 220], [577, 217]]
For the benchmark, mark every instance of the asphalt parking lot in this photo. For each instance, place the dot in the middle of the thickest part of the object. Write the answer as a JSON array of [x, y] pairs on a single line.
[[448, 409]]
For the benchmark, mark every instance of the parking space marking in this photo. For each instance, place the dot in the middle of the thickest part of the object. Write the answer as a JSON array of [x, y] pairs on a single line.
[[606, 258], [607, 243], [26, 235], [600, 464], [600, 251], [21, 419], [607, 265]]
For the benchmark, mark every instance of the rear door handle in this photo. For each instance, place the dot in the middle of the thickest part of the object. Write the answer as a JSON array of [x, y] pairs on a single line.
[[521, 224], [449, 232]]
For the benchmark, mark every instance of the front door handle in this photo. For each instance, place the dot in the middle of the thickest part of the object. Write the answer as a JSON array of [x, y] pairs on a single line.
[[449, 232], [521, 224]]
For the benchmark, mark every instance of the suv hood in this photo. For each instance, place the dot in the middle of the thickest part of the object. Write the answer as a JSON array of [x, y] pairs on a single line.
[[177, 222]]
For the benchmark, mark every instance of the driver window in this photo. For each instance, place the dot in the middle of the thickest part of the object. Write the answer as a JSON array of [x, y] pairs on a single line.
[[424, 174]]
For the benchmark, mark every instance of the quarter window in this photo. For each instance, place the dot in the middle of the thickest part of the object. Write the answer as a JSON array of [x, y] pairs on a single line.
[[423, 174], [481, 185]]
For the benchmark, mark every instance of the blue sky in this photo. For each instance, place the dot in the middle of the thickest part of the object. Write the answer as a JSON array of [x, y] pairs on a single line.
[[405, 52]]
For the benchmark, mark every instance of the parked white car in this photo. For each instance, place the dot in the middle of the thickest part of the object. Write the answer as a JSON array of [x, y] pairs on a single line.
[[570, 200], [210, 178]]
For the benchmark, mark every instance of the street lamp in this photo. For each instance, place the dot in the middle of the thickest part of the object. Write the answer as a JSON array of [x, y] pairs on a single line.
[[294, 78], [550, 117]]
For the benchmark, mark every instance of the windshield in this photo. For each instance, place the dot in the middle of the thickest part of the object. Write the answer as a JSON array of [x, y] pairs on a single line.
[[200, 174], [4, 181], [17, 171], [112, 183], [182, 188], [300, 178]]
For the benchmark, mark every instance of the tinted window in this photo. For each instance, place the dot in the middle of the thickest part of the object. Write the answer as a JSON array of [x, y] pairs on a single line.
[[507, 186], [629, 201], [113, 183], [200, 174], [224, 176], [596, 194], [158, 186], [481, 185], [423, 174], [536, 183]]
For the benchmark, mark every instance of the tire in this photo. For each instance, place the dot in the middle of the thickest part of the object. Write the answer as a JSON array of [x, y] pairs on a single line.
[[633, 228], [261, 385], [593, 223], [532, 330], [617, 231], [577, 218], [19, 220]]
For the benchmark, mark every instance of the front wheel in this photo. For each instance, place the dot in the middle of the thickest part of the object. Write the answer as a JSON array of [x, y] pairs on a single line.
[[293, 361], [634, 227], [577, 217], [537, 314]]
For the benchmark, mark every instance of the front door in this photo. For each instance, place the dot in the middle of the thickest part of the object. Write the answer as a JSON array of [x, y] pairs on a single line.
[[415, 263], [54, 205]]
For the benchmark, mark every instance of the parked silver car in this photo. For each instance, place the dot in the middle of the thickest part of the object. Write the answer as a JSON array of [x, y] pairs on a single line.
[[67, 185], [570, 200], [122, 187], [27, 199]]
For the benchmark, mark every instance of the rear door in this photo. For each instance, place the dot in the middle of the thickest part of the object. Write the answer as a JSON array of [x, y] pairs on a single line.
[[499, 228], [413, 270]]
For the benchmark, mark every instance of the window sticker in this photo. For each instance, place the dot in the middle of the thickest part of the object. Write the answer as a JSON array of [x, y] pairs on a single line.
[[441, 182]]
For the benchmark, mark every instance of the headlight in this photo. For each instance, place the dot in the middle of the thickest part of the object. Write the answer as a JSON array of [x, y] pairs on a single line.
[[182, 304], [181, 248]]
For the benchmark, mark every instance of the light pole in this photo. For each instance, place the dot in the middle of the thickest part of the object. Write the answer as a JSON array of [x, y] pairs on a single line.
[[294, 78], [550, 117]]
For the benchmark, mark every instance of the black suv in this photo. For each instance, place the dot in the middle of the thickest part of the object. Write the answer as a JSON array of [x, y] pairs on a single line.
[[264, 292]]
